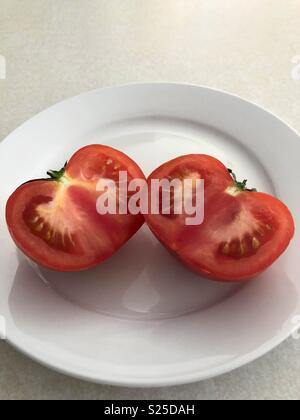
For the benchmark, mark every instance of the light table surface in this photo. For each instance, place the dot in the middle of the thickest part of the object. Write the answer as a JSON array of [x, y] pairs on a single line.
[[55, 49]]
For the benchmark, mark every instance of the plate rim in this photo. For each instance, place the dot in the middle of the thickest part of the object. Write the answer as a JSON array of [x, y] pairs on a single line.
[[155, 83], [182, 379]]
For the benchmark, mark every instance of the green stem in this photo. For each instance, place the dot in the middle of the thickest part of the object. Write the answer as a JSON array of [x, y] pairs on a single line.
[[241, 186], [57, 175]]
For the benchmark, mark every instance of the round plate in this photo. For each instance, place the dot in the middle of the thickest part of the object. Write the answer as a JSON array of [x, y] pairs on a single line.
[[141, 318]]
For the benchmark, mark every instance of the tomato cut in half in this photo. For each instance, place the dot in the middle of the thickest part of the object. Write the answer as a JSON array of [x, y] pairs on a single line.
[[243, 231], [56, 222]]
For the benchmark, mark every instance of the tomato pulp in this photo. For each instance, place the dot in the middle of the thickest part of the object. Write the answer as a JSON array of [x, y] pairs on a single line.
[[55, 221], [243, 232]]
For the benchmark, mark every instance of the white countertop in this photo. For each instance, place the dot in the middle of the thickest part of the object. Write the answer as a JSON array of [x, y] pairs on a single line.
[[55, 49]]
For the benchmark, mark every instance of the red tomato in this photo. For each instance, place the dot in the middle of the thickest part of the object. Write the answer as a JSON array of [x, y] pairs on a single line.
[[55, 222], [243, 231]]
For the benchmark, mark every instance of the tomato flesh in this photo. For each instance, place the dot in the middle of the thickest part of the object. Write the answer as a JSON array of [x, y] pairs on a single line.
[[243, 232], [56, 223]]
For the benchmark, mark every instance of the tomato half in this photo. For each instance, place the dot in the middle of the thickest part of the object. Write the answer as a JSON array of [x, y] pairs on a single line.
[[55, 222], [243, 231]]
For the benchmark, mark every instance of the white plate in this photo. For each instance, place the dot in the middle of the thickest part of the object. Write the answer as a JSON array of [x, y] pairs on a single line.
[[142, 319]]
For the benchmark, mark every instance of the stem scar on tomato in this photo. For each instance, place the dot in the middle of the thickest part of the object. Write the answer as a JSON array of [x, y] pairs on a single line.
[[242, 186], [57, 175]]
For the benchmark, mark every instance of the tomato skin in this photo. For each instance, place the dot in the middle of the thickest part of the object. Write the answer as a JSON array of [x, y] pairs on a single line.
[[55, 222], [243, 232]]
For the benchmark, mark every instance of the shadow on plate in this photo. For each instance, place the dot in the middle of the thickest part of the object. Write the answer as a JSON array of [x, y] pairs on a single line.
[[141, 281], [144, 283]]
